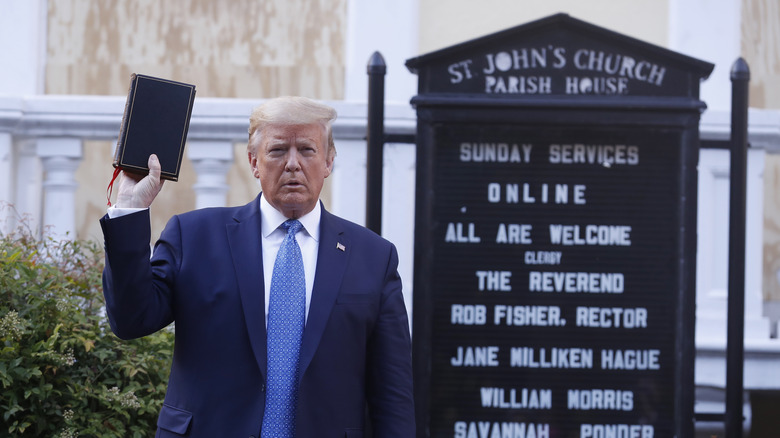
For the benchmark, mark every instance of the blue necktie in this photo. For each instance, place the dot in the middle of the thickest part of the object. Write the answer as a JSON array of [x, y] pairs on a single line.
[[286, 309]]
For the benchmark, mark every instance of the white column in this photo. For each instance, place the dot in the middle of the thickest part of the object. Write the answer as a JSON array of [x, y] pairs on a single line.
[[709, 30], [7, 221], [23, 45], [398, 195], [348, 181], [60, 158], [211, 160], [29, 179], [389, 26]]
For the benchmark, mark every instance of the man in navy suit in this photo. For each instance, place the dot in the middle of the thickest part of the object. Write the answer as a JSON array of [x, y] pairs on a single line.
[[210, 273]]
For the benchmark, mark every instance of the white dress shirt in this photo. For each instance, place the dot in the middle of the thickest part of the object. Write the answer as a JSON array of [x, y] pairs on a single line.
[[308, 239]]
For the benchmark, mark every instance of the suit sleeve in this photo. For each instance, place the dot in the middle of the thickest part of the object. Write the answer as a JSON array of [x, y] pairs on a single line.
[[139, 290], [390, 394]]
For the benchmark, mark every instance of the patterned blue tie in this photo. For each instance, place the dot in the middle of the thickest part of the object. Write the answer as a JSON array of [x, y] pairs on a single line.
[[285, 329]]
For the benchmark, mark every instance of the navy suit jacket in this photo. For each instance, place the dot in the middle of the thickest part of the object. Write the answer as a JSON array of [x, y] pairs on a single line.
[[206, 275]]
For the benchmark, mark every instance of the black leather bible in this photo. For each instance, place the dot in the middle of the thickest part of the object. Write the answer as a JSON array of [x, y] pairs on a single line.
[[155, 121]]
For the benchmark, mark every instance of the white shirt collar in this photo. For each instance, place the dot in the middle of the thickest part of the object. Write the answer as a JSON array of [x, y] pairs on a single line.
[[272, 218]]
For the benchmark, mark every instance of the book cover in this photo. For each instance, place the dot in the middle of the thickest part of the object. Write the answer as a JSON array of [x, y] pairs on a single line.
[[155, 121]]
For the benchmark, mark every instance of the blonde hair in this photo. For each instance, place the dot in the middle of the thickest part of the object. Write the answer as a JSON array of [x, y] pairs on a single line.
[[291, 110]]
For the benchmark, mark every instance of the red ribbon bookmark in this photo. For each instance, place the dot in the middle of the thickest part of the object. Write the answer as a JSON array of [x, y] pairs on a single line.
[[110, 187]]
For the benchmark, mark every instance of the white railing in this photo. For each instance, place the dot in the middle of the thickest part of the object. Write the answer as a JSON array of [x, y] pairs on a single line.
[[42, 138]]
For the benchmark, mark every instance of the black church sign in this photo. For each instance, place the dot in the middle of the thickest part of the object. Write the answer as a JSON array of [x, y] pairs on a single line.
[[555, 235]]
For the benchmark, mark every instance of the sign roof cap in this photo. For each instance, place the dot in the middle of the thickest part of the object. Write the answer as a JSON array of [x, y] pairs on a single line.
[[566, 24]]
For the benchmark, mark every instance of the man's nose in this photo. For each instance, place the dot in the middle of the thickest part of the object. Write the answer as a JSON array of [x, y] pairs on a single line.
[[293, 160]]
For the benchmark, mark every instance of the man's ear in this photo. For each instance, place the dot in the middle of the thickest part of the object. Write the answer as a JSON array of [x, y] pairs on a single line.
[[253, 164], [329, 166]]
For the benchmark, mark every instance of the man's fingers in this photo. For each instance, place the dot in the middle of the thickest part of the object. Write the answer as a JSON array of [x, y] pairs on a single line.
[[138, 191], [131, 176], [154, 167]]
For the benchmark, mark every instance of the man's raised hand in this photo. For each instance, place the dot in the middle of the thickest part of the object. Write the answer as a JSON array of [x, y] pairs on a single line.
[[137, 192]]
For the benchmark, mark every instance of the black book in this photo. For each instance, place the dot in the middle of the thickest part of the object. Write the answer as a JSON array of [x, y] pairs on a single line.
[[155, 121]]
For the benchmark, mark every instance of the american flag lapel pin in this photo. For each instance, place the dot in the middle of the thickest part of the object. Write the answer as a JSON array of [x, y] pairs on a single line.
[[340, 246]]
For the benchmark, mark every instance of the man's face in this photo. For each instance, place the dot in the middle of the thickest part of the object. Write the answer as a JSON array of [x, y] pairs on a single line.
[[292, 162]]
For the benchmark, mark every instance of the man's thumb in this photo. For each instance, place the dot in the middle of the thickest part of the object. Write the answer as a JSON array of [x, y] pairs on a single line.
[[154, 167]]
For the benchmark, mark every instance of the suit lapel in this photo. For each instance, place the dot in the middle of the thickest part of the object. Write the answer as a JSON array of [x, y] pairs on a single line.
[[331, 263], [244, 238]]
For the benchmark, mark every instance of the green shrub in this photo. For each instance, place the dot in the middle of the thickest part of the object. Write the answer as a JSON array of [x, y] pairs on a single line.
[[62, 372]]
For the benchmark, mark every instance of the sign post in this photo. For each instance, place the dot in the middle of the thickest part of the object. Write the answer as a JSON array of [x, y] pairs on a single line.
[[555, 235]]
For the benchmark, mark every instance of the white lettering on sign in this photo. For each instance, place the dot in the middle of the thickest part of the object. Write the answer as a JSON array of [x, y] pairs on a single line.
[[457, 233], [537, 193], [616, 431], [518, 85], [514, 233], [576, 282], [459, 71], [513, 398], [540, 316], [596, 85], [630, 359], [487, 429], [525, 58], [605, 155], [600, 399], [529, 357], [620, 65], [468, 314], [475, 357], [609, 317], [542, 257], [527, 71], [495, 153], [600, 235], [494, 280]]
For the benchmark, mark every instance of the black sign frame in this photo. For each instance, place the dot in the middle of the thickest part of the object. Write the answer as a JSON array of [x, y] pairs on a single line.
[[444, 111]]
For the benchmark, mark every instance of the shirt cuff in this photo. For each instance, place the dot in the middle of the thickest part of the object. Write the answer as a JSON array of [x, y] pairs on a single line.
[[115, 212]]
